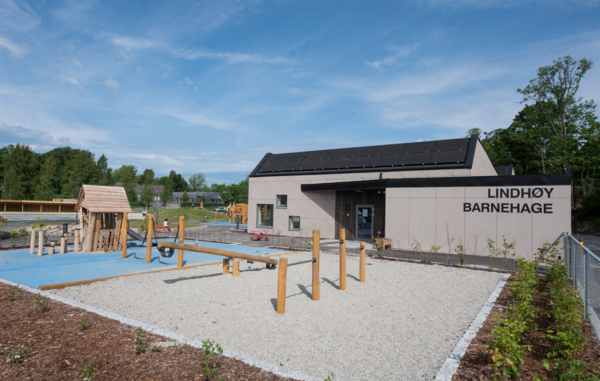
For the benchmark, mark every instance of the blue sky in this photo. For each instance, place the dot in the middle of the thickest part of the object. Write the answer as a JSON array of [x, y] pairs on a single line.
[[211, 86]]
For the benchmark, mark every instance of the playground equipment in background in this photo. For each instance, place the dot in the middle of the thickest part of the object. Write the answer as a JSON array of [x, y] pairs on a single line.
[[238, 210], [258, 235], [102, 210]]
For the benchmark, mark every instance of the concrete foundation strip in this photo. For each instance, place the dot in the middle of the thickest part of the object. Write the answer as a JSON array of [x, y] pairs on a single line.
[[453, 361], [264, 365]]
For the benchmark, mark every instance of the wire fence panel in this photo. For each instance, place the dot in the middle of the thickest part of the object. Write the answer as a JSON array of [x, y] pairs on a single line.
[[584, 269]]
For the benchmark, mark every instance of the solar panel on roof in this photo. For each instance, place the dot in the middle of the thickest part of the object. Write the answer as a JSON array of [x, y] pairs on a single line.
[[270, 167], [390, 149], [415, 158], [419, 147], [339, 162], [358, 162], [310, 164], [384, 160], [448, 156], [289, 165], [276, 158], [364, 151], [314, 155], [451, 145], [336, 153], [295, 156]]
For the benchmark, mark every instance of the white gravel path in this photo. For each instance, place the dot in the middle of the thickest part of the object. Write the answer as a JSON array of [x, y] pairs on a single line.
[[400, 325]]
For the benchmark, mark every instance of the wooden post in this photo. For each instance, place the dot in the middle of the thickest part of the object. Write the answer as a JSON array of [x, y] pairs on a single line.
[[124, 237], [236, 268], [51, 248], [89, 238], [118, 231], [63, 244], [225, 266], [32, 245], [362, 261], [316, 253], [215, 216], [181, 239], [149, 238], [97, 236], [41, 243], [343, 259], [281, 285], [76, 241]]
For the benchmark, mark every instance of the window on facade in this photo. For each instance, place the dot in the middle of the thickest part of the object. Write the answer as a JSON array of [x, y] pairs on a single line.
[[264, 215], [281, 201], [294, 222]]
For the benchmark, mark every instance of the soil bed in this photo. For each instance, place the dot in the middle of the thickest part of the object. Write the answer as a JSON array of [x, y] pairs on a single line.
[[476, 363], [60, 351]]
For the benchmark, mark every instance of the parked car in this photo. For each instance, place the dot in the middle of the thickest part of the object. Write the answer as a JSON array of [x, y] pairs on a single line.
[[221, 209]]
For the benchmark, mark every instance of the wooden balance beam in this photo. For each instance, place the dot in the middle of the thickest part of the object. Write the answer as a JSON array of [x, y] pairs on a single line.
[[210, 250]]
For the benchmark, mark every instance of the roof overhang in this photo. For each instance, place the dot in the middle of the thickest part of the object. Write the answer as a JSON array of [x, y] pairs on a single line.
[[444, 182]]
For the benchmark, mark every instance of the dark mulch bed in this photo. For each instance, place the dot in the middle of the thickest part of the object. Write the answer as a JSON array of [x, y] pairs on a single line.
[[59, 350], [475, 364], [424, 262]]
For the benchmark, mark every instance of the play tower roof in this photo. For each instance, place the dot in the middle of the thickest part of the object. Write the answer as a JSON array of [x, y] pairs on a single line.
[[103, 199]]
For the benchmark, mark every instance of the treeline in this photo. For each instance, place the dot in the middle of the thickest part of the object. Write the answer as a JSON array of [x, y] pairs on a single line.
[[59, 173], [555, 132]]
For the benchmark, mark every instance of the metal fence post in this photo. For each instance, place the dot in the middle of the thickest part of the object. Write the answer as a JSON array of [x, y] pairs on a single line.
[[586, 269], [575, 263]]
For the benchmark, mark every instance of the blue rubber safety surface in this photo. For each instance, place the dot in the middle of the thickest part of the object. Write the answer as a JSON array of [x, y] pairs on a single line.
[[31, 270]]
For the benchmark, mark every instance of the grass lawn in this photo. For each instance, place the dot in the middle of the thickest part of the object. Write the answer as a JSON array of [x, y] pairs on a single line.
[[191, 215]]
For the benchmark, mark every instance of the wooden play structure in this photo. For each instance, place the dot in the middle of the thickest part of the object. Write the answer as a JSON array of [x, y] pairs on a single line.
[[103, 215], [238, 210], [282, 262]]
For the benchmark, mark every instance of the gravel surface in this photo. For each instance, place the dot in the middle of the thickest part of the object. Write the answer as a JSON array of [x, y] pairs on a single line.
[[400, 325]]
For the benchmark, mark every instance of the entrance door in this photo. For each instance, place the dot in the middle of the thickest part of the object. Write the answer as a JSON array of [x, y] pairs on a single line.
[[364, 222]]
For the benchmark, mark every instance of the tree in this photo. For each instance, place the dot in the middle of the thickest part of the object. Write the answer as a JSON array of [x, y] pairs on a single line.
[[197, 182], [147, 195], [553, 92], [185, 197], [104, 173], [20, 167], [147, 177], [167, 193], [45, 185], [178, 182], [474, 131]]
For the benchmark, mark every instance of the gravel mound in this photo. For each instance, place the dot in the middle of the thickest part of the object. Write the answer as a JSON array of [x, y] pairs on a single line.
[[400, 325]]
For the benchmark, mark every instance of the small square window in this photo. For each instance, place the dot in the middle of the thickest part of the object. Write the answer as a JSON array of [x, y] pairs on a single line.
[[282, 201], [264, 215], [294, 222]]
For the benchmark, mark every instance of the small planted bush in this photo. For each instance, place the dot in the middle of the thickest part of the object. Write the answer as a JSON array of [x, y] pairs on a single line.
[[212, 359], [84, 323], [139, 342], [41, 303], [88, 371]]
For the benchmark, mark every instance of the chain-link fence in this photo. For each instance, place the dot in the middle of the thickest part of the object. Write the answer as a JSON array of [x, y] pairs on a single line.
[[584, 269]]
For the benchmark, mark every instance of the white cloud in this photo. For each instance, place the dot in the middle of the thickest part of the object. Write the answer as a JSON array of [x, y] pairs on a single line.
[[17, 16], [200, 119], [188, 81], [128, 42], [72, 81], [397, 53], [112, 84], [498, 3], [13, 48], [231, 58], [77, 63]]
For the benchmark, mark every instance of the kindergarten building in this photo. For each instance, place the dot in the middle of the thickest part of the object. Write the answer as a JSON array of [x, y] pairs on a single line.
[[425, 193]]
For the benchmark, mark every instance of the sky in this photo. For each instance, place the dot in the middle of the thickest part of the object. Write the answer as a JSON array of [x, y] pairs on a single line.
[[212, 86]]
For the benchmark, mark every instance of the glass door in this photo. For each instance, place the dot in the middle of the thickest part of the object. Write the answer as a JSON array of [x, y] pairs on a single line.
[[364, 222]]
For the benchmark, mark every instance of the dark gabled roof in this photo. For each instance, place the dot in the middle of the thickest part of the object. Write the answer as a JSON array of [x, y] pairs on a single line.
[[440, 154], [505, 170]]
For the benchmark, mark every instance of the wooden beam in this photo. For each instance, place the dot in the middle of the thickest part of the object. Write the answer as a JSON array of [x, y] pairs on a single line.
[[124, 237], [226, 266], [181, 230], [76, 241], [316, 253], [343, 259], [236, 269], [362, 261], [281, 285], [97, 235], [149, 238], [210, 250]]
